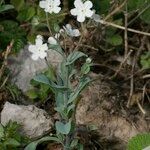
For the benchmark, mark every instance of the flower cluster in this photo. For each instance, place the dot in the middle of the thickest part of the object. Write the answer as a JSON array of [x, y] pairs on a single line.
[[81, 10]]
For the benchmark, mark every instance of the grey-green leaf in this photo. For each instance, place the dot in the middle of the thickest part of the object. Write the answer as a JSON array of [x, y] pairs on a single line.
[[12, 142], [80, 87], [74, 56], [42, 79], [63, 128], [33, 145], [56, 48], [74, 143]]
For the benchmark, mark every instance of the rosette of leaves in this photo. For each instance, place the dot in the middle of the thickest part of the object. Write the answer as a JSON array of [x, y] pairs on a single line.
[[10, 138], [12, 31], [139, 142]]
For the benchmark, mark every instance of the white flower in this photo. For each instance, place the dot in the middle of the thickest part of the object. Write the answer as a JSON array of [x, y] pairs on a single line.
[[82, 10], [96, 17], [71, 32], [50, 6], [88, 60], [39, 50], [52, 40]]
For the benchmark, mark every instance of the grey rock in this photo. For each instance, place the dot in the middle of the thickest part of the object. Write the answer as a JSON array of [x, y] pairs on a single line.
[[23, 68], [35, 122]]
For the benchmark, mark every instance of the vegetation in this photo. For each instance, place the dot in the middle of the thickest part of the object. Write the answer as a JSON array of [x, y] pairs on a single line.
[[10, 138], [105, 35]]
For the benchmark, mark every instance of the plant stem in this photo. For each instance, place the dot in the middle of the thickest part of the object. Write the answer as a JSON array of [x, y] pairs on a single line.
[[48, 25]]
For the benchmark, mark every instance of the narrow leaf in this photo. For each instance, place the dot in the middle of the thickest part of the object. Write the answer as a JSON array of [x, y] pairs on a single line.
[[80, 87], [74, 56], [56, 48], [33, 145], [6, 7]]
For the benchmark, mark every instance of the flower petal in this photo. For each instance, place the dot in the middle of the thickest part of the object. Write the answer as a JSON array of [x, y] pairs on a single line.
[[32, 48], [42, 4], [44, 47], [88, 4], [39, 37], [78, 4], [52, 41], [34, 56], [57, 2], [81, 18], [76, 33], [43, 55], [56, 9], [74, 12], [57, 35], [38, 42], [68, 27], [89, 13]]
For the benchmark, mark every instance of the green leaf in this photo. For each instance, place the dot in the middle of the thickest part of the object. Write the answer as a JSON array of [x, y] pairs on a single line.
[[132, 5], [139, 142], [85, 69], [50, 73], [146, 16], [12, 142], [56, 48], [6, 7], [56, 27], [43, 79], [74, 56], [115, 40], [18, 4], [145, 60], [32, 94], [74, 143], [63, 128], [26, 14], [80, 146], [82, 84], [101, 6], [1, 131], [33, 145]]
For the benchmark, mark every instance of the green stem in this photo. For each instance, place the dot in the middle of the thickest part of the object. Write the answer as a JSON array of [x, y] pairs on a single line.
[[48, 25]]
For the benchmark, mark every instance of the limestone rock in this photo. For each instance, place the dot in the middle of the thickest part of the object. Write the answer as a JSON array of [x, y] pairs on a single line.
[[35, 122], [23, 68]]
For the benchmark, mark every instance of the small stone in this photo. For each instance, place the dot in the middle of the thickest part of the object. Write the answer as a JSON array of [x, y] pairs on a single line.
[[35, 122]]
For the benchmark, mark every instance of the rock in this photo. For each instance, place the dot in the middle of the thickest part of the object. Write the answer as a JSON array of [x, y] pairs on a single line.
[[100, 106], [23, 68], [35, 122]]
